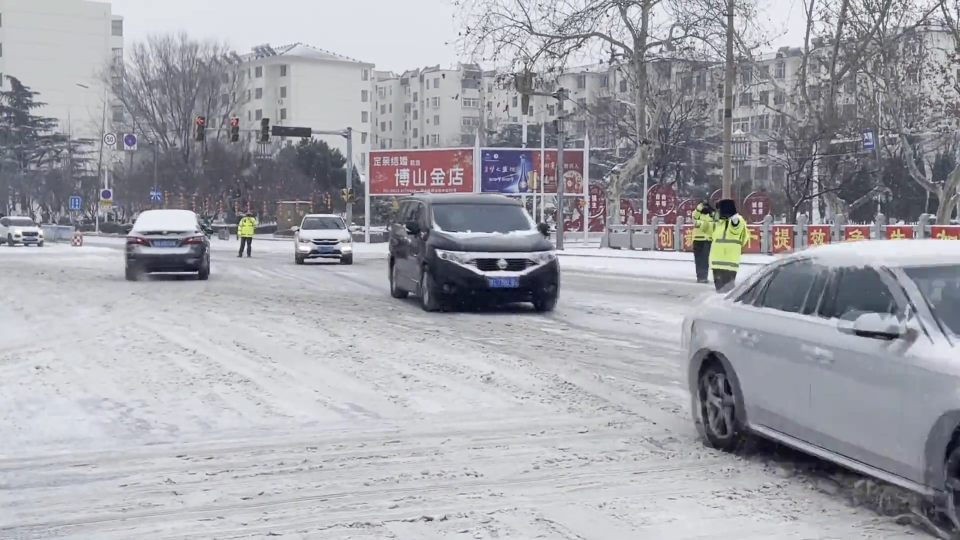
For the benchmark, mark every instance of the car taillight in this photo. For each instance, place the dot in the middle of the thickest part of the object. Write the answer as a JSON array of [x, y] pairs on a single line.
[[137, 241], [193, 240]]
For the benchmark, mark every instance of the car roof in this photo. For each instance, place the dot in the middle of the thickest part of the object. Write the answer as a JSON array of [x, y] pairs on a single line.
[[162, 218], [464, 198], [322, 215], [889, 253]]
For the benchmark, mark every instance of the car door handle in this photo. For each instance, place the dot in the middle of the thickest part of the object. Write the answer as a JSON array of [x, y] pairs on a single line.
[[818, 354]]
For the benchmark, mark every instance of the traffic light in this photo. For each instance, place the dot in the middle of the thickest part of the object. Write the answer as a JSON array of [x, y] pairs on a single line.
[[234, 129], [199, 128], [347, 194], [265, 130]]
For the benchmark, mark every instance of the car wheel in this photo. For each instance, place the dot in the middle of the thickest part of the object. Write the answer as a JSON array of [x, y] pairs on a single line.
[[396, 291], [428, 297], [40, 244], [346, 260], [204, 273], [951, 479], [298, 259], [10, 241], [131, 273], [718, 409], [545, 303]]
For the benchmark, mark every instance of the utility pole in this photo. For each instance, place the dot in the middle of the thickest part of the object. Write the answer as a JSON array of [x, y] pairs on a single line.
[[728, 84], [561, 96]]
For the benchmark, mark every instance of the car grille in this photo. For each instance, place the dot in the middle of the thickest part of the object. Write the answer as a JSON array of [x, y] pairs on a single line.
[[513, 265], [29, 233], [324, 242]]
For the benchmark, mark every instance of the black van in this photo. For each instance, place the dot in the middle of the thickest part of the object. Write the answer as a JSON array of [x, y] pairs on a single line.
[[457, 247]]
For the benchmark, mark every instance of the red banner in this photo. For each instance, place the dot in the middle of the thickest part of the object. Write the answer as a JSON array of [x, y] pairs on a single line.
[[598, 208], [400, 172], [572, 175], [665, 237], [627, 211], [818, 235], [756, 206], [945, 232], [899, 232], [856, 233], [783, 238], [688, 237], [685, 209], [661, 200], [753, 244]]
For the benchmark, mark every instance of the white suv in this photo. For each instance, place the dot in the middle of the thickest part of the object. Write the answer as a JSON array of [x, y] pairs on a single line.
[[322, 236], [20, 230]]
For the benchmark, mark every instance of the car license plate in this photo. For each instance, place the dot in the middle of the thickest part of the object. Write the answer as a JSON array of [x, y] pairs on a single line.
[[504, 282], [326, 249], [165, 243]]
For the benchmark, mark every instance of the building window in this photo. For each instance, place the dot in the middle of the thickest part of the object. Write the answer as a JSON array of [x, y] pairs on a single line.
[[436, 119], [436, 82], [514, 101], [364, 117], [258, 115], [258, 71], [383, 109], [365, 75], [283, 114], [435, 102], [383, 126], [780, 70], [283, 70], [471, 103], [581, 81], [117, 113], [117, 28], [248, 95], [364, 96], [283, 91], [258, 93], [117, 56], [363, 137], [604, 81], [623, 85], [249, 115], [551, 110], [435, 139]]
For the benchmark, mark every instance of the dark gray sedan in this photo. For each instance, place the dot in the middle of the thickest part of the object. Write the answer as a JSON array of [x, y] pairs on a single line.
[[167, 241]]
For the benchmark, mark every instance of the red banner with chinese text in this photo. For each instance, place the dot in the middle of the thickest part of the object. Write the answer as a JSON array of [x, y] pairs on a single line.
[[598, 208], [688, 237], [665, 237], [753, 244], [572, 176], [856, 233], [818, 235], [783, 238], [400, 172], [899, 232], [945, 232]]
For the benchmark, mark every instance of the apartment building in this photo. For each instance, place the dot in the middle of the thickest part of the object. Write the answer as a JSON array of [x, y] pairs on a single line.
[[302, 86], [62, 49]]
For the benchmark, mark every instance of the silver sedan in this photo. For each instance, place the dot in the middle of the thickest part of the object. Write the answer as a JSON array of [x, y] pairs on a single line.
[[848, 352]]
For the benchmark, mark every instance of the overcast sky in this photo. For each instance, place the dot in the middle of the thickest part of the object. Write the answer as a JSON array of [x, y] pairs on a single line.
[[395, 35]]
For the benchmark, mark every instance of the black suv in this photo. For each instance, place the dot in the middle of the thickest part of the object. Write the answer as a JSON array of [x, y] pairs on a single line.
[[458, 247]]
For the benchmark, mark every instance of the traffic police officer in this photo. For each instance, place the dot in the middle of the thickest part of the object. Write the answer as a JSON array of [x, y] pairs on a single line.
[[730, 235], [703, 220], [245, 230]]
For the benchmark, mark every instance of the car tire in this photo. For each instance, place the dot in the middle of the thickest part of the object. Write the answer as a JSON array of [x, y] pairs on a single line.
[[395, 291], [298, 259], [545, 303], [204, 273], [428, 297], [10, 241], [718, 409], [39, 244], [130, 273], [951, 480], [346, 260]]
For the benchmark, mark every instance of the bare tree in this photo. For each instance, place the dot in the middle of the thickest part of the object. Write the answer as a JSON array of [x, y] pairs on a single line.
[[165, 81], [523, 35]]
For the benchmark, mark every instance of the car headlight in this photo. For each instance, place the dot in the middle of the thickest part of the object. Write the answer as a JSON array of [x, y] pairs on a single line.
[[543, 256], [454, 256], [347, 240], [17, 232], [303, 240]]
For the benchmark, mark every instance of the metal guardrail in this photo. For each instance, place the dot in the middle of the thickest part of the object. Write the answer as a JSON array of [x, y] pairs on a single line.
[[57, 233]]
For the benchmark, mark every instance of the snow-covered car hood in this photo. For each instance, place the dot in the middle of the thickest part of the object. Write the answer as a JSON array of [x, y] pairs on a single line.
[[28, 228], [324, 234]]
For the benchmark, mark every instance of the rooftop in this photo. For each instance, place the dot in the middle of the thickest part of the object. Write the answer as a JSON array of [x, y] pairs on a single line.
[[297, 50]]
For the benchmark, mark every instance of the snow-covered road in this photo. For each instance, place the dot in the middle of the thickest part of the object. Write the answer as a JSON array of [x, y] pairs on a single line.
[[304, 402]]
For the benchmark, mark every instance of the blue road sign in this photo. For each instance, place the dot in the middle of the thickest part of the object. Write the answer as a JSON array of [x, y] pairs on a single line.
[[130, 141], [75, 202], [869, 143], [106, 195], [156, 195]]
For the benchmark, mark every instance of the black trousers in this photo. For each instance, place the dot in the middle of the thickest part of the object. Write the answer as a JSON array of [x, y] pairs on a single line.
[[245, 241], [701, 258], [724, 279]]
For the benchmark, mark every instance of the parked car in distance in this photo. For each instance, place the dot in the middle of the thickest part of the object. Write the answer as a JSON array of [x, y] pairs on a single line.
[[322, 236], [20, 230], [848, 352], [167, 241], [455, 247]]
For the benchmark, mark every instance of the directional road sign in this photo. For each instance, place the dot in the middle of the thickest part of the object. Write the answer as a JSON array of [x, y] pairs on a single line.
[[130, 142], [110, 139], [869, 143], [106, 197], [75, 202], [156, 195]]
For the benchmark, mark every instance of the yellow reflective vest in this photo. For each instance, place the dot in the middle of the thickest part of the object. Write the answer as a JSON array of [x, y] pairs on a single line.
[[728, 243], [246, 227], [702, 225]]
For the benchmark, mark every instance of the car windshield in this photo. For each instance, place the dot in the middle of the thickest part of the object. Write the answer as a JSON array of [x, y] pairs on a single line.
[[941, 287], [166, 221], [481, 218], [322, 223], [21, 222]]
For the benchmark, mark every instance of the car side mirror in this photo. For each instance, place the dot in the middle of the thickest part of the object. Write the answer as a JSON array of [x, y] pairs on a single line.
[[412, 227], [874, 326], [544, 229], [295, 228]]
